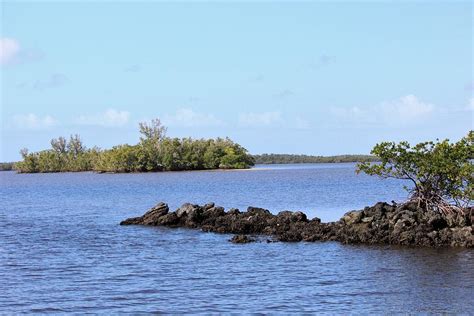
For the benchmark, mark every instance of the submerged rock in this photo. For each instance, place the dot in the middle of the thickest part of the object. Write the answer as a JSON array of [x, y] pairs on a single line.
[[405, 224], [241, 239]]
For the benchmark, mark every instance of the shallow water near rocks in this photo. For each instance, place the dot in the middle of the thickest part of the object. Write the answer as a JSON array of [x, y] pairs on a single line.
[[62, 250]]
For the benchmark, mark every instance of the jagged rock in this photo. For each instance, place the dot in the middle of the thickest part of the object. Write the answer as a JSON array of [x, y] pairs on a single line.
[[352, 217], [403, 224], [233, 211], [151, 217], [367, 219], [169, 219], [185, 209], [208, 206]]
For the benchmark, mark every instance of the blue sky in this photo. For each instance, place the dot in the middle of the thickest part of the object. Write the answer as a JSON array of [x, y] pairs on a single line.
[[311, 77]]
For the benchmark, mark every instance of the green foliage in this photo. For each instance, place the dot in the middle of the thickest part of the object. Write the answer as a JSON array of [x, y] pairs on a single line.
[[286, 158], [6, 166], [234, 156], [154, 152], [440, 171], [62, 156], [121, 158]]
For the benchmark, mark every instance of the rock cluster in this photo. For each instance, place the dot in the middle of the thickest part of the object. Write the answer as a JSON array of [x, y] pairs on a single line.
[[404, 224]]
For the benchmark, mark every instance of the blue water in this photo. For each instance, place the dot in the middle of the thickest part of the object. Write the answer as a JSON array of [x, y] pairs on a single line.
[[62, 250]]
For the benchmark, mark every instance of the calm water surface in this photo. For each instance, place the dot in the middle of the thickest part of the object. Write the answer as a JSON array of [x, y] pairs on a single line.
[[62, 250]]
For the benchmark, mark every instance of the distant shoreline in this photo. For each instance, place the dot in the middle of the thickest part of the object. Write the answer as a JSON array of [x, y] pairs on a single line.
[[263, 159], [268, 159]]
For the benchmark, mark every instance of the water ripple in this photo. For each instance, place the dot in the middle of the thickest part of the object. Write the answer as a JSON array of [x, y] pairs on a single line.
[[62, 251]]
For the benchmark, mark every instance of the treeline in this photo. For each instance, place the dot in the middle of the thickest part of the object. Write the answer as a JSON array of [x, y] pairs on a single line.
[[287, 158], [6, 166], [154, 152]]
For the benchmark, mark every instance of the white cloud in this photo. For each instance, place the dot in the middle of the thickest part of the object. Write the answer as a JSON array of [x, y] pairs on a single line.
[[265, 119], [186, 117], [33, 121], [110, 118], [406, 109], [9, 50]]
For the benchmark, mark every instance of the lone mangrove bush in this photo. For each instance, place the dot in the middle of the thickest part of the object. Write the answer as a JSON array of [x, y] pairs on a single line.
[[441, 172]]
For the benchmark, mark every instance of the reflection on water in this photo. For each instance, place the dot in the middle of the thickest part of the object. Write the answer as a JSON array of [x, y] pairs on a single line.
[[62, 249]]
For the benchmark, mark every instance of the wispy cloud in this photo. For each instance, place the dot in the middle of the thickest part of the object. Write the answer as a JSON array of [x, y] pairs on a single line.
[[109, 118], [469, 86], [406, 109], [301, 123], [9, 50], [272, 119], [257, 78], [470, 105], [133, 68], [33, 121], [326, 59], [193, 99], [321, 61], [262, 119], [187, 117], [284, 94], [53, 81]]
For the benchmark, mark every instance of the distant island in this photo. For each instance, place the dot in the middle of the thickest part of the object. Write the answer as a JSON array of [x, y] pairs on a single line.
[[289, 158], [263, 159], [6, 166], [154, 152]]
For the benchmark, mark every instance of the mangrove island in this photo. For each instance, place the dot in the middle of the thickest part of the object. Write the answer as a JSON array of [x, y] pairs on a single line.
[[154, 152]]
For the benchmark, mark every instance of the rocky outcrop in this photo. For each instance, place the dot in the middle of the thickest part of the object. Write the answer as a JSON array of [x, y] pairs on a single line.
[[383, 223], [406, 224]]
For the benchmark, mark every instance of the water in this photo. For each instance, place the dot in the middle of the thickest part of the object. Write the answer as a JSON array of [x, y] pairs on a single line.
[[62, 250]]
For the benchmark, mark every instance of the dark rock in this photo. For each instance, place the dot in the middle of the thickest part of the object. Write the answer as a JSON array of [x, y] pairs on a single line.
[[185, 209], [233, 211], [169, 219], [352, 217], [368, 219], [208, 206], [241, 239], [256, 211], [151, 217], [436, 221], [299, 217], [213, 212]]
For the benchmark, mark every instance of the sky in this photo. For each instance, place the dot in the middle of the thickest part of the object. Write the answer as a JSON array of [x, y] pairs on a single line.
[[318, 78]]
